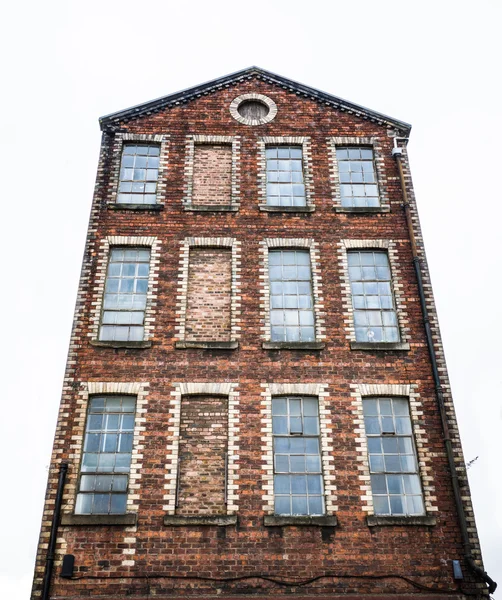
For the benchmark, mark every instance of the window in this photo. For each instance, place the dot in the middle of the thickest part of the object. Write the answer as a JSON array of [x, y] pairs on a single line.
[[395, 483], [139, 172], [298, 486], [375, 317], [125, 295], [104, 474], [291, 301], [357, 177], [285, 184]]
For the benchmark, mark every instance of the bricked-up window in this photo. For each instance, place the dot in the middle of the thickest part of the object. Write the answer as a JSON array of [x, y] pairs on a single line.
[[395, 483], [202, 456], [208, 316], [125, 295], [298, 485], [291, 300], [285, 184], [375, 317], [212, 178], [139, 172], [357, 177], [106, 460]]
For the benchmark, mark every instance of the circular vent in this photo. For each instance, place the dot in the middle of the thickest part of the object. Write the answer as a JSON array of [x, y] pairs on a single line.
[[253, 109]]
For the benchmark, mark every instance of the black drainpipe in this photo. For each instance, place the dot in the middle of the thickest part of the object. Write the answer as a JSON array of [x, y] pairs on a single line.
[[492, 585], [49, 560]]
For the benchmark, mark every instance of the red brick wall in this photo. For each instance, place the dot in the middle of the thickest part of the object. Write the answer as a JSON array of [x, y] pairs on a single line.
[[209, 295], [351, 558], [202, 454], [212, 180]]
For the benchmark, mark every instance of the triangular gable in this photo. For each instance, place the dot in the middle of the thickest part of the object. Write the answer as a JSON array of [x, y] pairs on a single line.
[[111, 121]]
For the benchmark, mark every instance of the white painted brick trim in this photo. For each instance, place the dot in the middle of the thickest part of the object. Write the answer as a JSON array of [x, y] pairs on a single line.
[[99, 286], [182, 295], [298, 243], [397, 287], [234, 142], [307, 161], [160, 139], [443, 372], [87, 389], [269, 390], [424, 454], [210, 389], [378, 156]]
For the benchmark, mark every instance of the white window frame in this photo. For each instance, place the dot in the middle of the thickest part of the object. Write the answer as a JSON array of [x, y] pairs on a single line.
[[397, 288], [319, 391], [119, 140], [99, 289], [292, 244], [425, 454], [305, 143], [380, 172]]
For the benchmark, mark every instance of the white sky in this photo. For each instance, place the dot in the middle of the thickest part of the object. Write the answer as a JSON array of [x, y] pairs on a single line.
[[65, 63]]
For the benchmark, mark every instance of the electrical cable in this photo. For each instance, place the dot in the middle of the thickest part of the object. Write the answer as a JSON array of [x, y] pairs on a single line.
[[280, 582]]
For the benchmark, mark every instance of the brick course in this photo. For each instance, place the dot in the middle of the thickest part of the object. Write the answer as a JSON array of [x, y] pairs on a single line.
[[212, 181], [202, 455], [209, 295], [351, 558]]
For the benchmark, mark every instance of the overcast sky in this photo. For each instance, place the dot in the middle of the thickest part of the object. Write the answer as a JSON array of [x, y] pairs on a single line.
[[65, 63]]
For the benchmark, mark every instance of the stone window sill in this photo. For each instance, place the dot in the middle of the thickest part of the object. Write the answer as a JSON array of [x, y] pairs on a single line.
[[210, 208], [207, 345], [115, 344], [293, 345], [127, 519], [140, 207], [276, 521], [362, 209], [184, 520], [384, 521], [286, 209], [401, 346]]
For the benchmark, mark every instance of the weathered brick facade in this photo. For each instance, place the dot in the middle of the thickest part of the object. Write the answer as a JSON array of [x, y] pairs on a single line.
[[209, 282]]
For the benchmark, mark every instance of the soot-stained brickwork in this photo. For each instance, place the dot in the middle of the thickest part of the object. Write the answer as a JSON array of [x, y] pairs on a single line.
[[149, 552]]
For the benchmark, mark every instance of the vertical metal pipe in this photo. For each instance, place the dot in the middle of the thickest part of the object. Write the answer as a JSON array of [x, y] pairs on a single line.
[[439, 389], [49, 560], [226, 478]]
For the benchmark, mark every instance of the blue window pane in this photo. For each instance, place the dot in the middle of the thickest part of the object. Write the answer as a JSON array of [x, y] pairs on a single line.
[[315, 505], [381, 505], [282, 505], [282, 484], [299, 505], [298, 484], [118, 504]]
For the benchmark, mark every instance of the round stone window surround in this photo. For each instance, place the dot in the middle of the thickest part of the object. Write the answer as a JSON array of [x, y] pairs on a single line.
[[268, 102]]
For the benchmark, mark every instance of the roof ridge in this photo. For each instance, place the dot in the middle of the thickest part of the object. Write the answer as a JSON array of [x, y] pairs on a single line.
[[111, 120]]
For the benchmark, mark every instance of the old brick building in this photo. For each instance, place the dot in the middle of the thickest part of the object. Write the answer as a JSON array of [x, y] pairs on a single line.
[[256, 400]]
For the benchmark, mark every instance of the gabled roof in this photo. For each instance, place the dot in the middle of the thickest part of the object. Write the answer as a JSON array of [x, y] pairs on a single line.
[[112, 120]]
